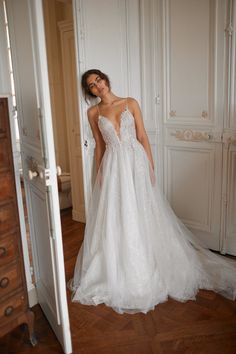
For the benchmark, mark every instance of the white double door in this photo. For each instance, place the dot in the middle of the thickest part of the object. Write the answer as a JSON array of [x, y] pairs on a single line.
[[198, 121], [185, 82]]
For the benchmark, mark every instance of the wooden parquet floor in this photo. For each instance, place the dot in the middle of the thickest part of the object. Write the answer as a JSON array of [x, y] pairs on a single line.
[[204, 326]]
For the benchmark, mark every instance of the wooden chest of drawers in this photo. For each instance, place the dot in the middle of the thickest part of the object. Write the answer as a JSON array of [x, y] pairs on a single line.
[[14, 308]]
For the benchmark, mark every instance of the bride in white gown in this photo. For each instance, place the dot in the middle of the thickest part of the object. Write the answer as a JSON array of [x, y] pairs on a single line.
[[136, 252]]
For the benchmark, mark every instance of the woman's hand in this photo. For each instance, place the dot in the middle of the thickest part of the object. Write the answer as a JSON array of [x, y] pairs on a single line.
[[99, 178], [140, 131], [152, 175]]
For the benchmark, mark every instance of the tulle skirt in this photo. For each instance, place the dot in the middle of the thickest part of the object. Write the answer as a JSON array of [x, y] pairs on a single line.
[[136, 252]]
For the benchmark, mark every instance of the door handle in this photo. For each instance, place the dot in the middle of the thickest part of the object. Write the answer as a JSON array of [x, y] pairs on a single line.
[[32, 174], [44, 171], [59, 171]]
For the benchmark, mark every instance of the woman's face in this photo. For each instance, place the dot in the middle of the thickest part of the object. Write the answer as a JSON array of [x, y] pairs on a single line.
[[97, 85]]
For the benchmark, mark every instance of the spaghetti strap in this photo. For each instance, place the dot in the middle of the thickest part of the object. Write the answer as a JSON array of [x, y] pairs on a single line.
[[98, 109], [126, 107]]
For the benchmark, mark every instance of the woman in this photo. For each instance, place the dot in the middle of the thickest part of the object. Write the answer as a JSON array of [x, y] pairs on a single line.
[[135, 252]]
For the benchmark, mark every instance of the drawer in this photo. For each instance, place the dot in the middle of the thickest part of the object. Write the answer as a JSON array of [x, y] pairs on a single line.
[[7, 184], [8, 248], [8, 217], [11, 308], [10, 279]]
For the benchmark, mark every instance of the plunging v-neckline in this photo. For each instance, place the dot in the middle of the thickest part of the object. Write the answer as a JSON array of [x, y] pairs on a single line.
[[120, 120]]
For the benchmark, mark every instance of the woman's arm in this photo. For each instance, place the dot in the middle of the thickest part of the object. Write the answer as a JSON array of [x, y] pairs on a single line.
[[140, 129], [100, 144]]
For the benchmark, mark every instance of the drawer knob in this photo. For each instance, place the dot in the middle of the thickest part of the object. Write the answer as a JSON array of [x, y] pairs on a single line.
[[8, 311], [3, 251], [4, 282]]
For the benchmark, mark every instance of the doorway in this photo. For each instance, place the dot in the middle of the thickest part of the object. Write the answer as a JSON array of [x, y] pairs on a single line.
[[60, 45]]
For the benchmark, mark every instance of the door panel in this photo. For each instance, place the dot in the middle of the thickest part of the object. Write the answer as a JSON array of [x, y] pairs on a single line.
[[38, 158], [228, 239], [193, 72], [229, 243], [107, 38]]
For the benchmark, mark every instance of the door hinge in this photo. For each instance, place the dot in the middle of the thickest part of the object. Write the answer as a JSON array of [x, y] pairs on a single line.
[[32, 270], [225, 200], [157, 99], [229, 30], [40, 113], [47, 174], [52, 233]]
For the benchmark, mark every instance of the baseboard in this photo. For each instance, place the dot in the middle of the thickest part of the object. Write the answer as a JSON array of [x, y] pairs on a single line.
[[78, 215]]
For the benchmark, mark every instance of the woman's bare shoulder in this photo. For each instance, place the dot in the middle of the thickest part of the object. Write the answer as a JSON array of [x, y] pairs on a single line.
[[92, 113], [132, 103]]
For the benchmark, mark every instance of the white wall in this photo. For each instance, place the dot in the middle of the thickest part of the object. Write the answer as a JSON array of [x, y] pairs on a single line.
[[110, 31], [108, 38], [175, 65]]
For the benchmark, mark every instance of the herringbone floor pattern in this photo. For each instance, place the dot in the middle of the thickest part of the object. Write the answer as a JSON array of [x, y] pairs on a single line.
[[204, 326]]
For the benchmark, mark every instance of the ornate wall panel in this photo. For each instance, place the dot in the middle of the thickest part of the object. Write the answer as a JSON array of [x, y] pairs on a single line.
[[190, 60], [189, 184], [193, 42], [229, 243]]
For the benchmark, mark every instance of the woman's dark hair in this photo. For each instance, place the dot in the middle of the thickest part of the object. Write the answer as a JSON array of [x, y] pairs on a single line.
[[86, 91]]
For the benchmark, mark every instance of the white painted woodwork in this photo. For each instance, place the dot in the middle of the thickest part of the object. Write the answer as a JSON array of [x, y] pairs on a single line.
[[228, 240], [107, 38], [151, 71], [191, 53], [37, 147], [229, 244], [72, 119], [181, 75]]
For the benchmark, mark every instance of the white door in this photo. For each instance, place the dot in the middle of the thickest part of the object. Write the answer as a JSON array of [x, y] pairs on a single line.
[[33, 104], [228, 243], [193, 49], [107, 38]]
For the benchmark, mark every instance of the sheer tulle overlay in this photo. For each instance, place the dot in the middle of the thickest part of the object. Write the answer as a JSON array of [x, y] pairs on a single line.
[[136, 252]]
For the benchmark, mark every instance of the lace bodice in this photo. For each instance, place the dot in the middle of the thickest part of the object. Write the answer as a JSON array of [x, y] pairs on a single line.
[[127, 132]]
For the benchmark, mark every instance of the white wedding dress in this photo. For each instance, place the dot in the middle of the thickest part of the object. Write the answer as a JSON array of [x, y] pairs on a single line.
[[136, 252]]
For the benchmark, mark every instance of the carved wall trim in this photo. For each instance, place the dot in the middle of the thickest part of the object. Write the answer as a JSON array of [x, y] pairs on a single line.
[[199, 214], [191, 135]]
